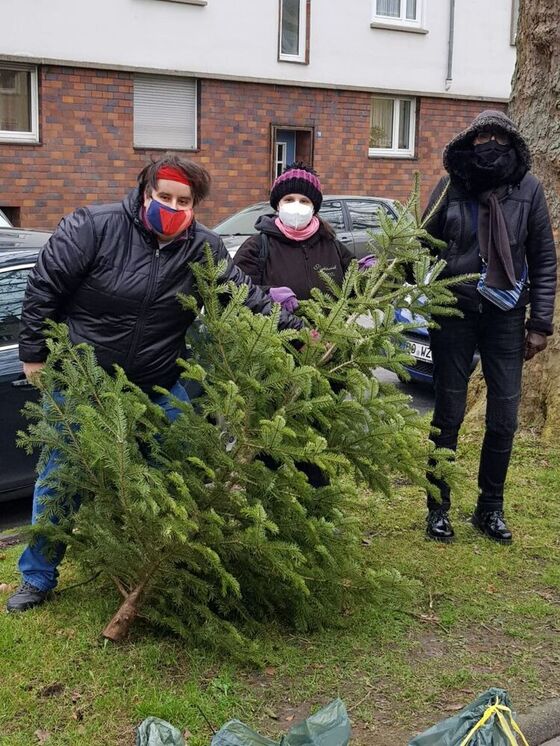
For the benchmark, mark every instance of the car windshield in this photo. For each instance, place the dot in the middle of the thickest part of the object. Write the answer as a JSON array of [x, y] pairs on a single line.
[[4, 222], [243, 223], [13, 281]]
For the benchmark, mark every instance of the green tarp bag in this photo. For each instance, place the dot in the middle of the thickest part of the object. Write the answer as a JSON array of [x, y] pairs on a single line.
[[328, 727], [488, 721], [155, 732]]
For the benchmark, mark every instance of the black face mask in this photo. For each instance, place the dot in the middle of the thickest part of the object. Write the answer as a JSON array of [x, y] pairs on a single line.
[[487, 153]]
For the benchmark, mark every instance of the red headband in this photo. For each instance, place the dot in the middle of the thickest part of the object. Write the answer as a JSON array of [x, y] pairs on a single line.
[[172, 174]]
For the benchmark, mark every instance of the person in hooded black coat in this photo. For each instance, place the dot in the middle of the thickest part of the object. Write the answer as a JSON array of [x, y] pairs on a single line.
[[491, 213]]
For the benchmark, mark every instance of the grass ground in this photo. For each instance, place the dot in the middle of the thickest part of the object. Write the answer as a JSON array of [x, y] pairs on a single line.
[[481, 615]]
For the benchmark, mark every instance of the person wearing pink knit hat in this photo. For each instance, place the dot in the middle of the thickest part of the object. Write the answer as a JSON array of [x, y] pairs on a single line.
[[293, 245]]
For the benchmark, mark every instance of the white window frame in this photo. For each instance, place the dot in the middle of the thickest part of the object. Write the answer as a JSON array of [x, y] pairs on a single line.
[[394, 151], [190, 2], [401, 23], [33, 134], [301, 56], [280, 163]]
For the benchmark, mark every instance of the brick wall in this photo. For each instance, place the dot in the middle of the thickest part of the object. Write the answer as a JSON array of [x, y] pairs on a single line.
[[86, 153]]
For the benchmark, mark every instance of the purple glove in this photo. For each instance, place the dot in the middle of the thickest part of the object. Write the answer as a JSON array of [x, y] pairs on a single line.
[[366, 262], [286, 297]]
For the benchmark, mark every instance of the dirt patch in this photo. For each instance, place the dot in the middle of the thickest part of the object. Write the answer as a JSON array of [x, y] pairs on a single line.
[[10, 541], [381, 713]]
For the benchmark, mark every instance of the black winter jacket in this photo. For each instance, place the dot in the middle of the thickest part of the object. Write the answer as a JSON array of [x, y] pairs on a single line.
[[525, 211], [103, 273], [293, 264]]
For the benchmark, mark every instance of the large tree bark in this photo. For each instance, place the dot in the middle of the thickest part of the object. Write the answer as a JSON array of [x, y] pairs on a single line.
[[535, 108]]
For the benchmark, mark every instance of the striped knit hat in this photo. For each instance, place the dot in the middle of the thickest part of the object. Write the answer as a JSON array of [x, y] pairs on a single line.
[[297, 179]]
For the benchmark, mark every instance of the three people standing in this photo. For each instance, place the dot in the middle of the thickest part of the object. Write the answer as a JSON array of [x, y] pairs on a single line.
[[113, 272]]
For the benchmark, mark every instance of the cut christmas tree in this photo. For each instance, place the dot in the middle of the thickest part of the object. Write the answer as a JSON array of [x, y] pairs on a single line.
[[208, 525]]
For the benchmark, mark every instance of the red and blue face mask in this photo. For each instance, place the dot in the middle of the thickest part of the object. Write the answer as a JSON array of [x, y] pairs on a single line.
[[165, 220]]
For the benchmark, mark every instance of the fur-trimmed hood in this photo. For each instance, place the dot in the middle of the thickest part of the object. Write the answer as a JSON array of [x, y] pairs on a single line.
[[453, 155]]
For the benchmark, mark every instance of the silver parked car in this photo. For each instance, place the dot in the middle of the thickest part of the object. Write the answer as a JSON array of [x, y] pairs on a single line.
[[351, 216]]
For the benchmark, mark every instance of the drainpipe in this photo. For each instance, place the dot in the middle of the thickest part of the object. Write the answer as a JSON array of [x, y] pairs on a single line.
[[449, 77]]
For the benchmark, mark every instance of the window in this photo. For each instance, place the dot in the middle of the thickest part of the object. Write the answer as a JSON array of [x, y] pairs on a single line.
[[392, 127], [165, 112], [19, 118], [400, 14], [293, 34], [364, 214], [331, 211], [289, 144], [243, 222], [280, 162], [12, 288]]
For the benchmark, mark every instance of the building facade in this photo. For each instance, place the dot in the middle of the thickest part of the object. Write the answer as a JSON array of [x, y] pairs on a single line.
[[368, 92]]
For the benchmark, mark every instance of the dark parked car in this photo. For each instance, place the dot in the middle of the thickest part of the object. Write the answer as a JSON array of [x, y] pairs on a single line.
[[352, 217], [418, 343], [18, 252]]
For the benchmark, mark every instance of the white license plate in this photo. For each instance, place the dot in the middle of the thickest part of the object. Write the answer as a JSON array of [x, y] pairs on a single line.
[[420, 351]]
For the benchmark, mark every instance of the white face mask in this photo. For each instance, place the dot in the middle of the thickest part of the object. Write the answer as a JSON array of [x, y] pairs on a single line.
[[295, 214]]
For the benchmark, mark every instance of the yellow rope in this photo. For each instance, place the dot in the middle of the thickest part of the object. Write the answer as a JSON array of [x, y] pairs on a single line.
[[498, 710]]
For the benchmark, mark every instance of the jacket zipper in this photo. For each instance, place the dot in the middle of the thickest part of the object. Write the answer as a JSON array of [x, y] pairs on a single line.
[[463, 228], [154, 267], [306, 257]]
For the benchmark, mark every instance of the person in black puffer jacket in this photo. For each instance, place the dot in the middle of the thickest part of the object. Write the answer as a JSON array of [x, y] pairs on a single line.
[[491, 212], [290, 249], [112, 273]]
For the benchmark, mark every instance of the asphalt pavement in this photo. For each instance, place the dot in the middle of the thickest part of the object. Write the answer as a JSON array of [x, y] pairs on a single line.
[[422, 395], [15, 513]]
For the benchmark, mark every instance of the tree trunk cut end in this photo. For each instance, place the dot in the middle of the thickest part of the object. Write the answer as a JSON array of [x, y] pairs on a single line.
[[119, 626]]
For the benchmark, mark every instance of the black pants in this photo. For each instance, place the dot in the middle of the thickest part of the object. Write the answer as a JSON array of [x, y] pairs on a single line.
[[500, 338], [315, 475]]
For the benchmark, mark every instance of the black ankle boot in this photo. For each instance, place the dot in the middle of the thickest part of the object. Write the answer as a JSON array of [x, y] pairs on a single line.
[[492, 524], [439, 526], [26, 597]]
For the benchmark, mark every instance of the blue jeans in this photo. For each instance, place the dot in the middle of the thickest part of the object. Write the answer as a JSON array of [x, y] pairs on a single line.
[[500, 338], [35, 568]]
